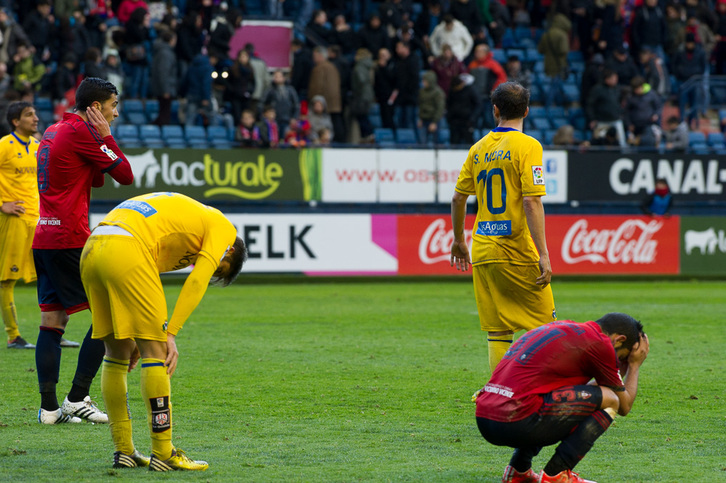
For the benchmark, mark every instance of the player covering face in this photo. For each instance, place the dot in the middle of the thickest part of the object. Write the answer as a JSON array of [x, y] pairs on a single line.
[[120, 266]]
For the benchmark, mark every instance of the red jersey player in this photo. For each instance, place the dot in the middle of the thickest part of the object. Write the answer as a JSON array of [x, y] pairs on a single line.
[[539, 393], [73, 156]]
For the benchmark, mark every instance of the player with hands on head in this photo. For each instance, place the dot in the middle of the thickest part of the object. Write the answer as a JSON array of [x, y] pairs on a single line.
[[510, 260], [120, 266], [73, 156], [539, 394]]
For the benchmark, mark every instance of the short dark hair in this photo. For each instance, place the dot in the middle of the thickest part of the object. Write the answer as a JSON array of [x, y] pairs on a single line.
[[15, 110], [93, 89], [239, 257], [623, 324], [512, 100]]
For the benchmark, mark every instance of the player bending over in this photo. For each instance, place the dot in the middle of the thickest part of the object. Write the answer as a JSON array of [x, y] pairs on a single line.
[[120, 266], [539, 393]]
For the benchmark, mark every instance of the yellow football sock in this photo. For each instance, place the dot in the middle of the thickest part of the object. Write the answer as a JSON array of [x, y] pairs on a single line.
[[10, 316], [156, 391], [498, 346], [115, 397]]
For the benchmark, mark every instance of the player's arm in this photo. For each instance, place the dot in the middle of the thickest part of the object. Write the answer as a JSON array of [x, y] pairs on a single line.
[[534, 211], [635, 360], [459, 250], [111, 160], [191, 293]]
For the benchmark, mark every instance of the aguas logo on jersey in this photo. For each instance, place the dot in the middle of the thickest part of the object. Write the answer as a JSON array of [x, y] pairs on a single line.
[[537, 175]]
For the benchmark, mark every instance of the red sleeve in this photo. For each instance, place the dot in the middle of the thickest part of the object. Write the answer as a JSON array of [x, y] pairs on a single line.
[[604, 365], [106, 155], [98, 179]]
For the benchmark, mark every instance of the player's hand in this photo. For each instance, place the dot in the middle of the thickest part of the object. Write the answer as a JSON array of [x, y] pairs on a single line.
[[172, 354], [99, 122], [460, 255], [640, 351], [13, 208], [135, 356], [545, 270]]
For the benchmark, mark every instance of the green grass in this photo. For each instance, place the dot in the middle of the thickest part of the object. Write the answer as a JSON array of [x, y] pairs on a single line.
[[371, 382]]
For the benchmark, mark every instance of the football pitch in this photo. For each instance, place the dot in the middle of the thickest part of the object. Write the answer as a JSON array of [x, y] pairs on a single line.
[[371, 381]]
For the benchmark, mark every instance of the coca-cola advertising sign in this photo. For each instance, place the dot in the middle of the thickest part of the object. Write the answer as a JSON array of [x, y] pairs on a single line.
[[424, 244], [613, 244]]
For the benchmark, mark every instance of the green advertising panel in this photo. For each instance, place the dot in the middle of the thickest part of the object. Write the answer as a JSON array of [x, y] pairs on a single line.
[[221, 175], [703, 245]]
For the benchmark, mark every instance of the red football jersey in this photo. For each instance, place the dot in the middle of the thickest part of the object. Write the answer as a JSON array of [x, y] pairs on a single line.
[[555, 355], [72, 157]]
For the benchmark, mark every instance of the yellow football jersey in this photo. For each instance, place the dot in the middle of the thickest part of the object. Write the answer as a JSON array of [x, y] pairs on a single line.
[[175, 228], [501, 169], [18, 179]]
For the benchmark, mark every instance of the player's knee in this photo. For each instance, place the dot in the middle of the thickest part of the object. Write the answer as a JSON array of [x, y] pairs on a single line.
[[7, 284], [610, 401]]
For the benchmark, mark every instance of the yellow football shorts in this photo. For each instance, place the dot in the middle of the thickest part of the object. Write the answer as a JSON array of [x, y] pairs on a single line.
[[508, 298], [124, 289], [16, 252]]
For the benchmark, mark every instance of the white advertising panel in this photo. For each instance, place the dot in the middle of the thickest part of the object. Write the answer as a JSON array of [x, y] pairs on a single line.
[[350, 175], [407, 175], [555, 169], [450, 162], [316, 244]]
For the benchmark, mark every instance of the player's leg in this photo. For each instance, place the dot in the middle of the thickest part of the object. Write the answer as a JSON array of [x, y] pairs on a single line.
[[516, 435], [498, 343], [15, 263], [591, 409]]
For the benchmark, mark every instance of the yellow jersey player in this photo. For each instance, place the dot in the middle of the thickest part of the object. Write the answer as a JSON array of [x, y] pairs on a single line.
[[120, 266], [509, 256], [19, 194]]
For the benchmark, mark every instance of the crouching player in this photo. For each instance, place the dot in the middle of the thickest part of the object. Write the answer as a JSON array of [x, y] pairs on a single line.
[[539, 396], [120, 266]]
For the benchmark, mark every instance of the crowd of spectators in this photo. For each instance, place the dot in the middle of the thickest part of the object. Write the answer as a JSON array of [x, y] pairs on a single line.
[[421, 65]]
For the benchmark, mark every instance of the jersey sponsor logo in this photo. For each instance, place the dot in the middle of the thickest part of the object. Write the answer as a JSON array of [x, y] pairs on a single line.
[[109, 152], [435, 244], [140, 206], [538, 175], [497, 389], [165, 325], [49, 221], [14, 269], [494, 228], [631, 242], [25, 170]]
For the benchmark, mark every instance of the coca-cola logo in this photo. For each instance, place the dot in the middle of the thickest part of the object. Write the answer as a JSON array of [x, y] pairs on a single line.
[[435, 244], [631, 242]]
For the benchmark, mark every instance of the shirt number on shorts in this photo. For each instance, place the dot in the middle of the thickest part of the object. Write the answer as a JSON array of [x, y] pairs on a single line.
[[486, 177]]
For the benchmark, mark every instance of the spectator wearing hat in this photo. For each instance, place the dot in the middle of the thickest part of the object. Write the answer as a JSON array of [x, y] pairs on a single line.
[[623, 64], [372, 36], [676, 24], [431, 106], [689, 62], [362, 93]]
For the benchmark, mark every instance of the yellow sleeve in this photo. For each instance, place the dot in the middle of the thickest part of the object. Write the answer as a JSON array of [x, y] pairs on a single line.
[[532, 175], [191, 293], [219, 235]]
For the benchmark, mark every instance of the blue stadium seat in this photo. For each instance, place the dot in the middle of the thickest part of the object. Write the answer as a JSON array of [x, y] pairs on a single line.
[[518, 52], [537, 111], [572, 92], [699, 148], [539, 67], [195, 134], [695, 138], [43, 104], [499, 55], [541, 123], [508, 39], [127, 132], [555, 111], [46, 117], [384, 135], [715, 139], [558, 122], [154, 143], [151, 109], [549, 135], [150, 132], [406, 136], [198, 144], [173, 135], [523, 33], [532, 56], [575, 56], [218, 133]]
